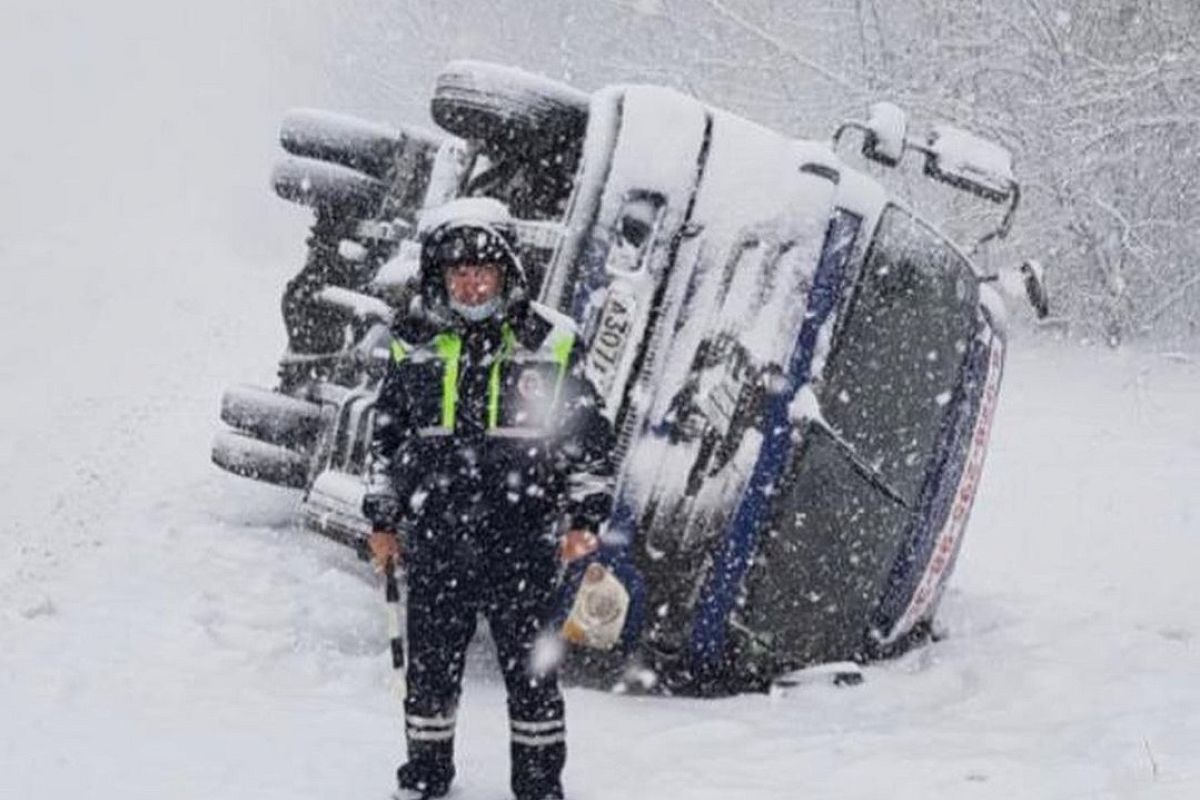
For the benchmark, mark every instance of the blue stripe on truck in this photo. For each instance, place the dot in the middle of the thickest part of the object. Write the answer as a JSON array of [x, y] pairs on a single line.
[[739, 543]]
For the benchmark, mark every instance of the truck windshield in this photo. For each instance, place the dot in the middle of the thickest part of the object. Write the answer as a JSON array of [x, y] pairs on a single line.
[[899, 356]]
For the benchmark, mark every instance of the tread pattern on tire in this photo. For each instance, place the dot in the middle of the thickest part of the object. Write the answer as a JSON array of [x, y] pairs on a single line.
[[500, 107]]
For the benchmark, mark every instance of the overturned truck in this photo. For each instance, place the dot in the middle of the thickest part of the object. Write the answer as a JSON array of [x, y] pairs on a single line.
[[801, 370]]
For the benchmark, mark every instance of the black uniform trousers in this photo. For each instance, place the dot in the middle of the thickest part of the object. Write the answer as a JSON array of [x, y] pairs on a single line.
[[504, 566]]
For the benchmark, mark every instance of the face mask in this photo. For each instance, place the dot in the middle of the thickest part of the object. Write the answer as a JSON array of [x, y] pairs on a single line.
[[476, 313]]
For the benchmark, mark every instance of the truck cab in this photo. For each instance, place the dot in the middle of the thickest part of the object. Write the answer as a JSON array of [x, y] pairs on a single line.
[[801, 370]]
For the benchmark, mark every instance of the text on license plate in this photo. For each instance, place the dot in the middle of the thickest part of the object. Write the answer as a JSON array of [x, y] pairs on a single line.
[[609, 343]]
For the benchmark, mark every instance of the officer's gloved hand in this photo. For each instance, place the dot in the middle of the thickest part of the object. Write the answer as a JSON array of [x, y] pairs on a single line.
[[384, 545], [383, 511]]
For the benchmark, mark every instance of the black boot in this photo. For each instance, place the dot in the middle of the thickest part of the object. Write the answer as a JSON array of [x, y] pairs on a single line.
[[550, 793], [537, 769], [554, 794], [423, 781]]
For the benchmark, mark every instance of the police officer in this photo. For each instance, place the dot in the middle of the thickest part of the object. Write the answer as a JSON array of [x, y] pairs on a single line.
[[487, 439]]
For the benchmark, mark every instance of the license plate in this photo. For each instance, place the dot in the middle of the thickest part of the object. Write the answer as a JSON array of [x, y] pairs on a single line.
[[608, 345]]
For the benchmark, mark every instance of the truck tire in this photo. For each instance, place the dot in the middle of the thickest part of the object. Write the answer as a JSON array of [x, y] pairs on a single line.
[[272, 417], [250, 458], [503, 105], [336, 189], [369, 147]]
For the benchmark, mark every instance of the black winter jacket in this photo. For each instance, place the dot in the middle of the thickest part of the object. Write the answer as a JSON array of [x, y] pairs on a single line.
[[489, 420]]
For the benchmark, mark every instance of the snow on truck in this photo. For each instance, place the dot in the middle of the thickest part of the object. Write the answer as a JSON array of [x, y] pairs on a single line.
[[802, 372]]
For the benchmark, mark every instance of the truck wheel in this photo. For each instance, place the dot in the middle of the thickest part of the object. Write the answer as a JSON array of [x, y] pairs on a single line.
[[341, 191], [272, 417], [370, 147], [495, 104], [250, 458]]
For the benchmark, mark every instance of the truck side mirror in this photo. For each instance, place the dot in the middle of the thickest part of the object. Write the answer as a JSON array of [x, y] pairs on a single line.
[[969, 162], [976, 165], [884, 134], [952, 156], [1033, 276]]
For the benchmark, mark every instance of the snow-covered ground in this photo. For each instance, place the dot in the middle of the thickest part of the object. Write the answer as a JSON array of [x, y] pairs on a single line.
[[166, 631]]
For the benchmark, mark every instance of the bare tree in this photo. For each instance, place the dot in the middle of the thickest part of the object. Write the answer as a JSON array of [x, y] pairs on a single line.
[[1100, 102]]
